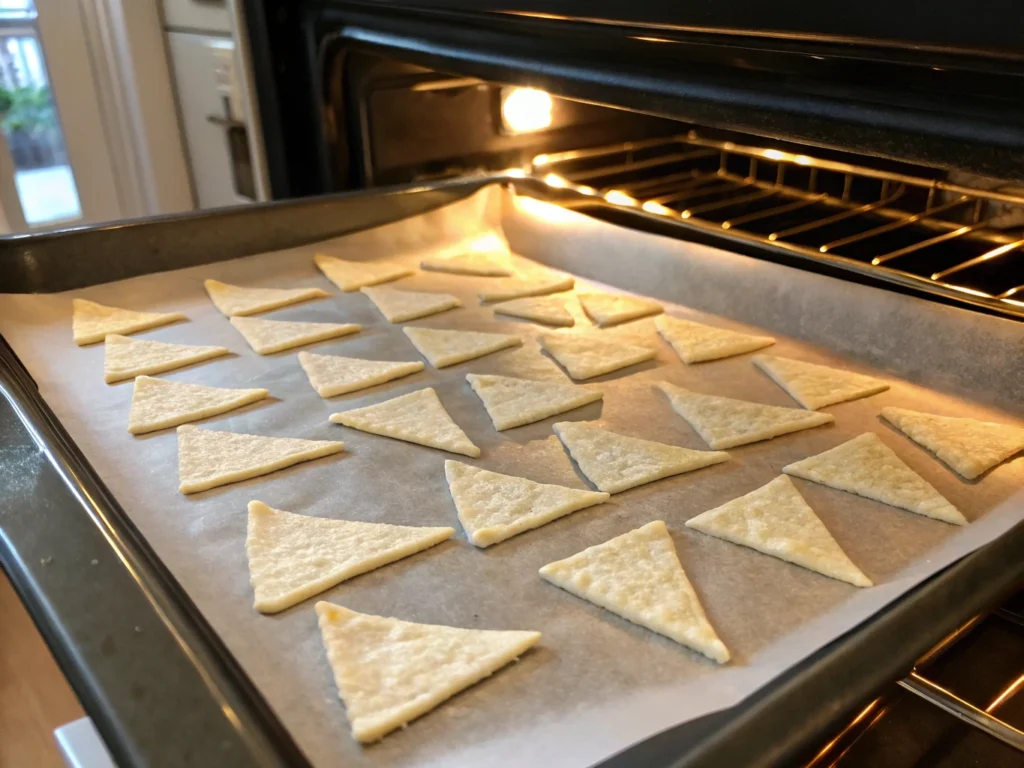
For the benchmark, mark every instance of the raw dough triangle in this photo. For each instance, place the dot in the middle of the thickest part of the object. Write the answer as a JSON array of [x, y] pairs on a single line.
[[417, 417], [549, 310], [91, 322], [398, 306], [815, 386], [607, 309], [725, 423], [158, 404], [293, 557], [333, 375], [389, 671], [697, 343], [239, 300], [269, 336], [353, 275], [493, 507], [868, 467], [513, 402], [777, 521], [616, 463], [126, 358], [638, 576], [969, 446], [518, 287], [207, 458], [443, 348], [481, 264], [587, 356]]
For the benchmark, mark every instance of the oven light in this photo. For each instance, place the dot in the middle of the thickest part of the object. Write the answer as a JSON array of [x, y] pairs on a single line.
[[652, 207], [554, 180], [773, 154], [802, 160], [525, 109], [618, 197]]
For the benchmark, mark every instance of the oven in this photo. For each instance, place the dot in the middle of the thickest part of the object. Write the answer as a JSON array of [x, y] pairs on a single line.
[[880, 147]]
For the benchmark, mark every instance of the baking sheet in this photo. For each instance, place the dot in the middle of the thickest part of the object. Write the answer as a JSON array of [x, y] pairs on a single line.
[[596, 684]]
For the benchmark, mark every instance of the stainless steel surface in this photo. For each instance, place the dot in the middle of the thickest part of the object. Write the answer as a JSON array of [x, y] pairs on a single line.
[[946, 700], [673, 178]]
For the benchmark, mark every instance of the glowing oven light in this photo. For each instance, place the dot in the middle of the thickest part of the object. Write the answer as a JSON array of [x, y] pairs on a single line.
[[526, 109], [619, 197], [554, 180]]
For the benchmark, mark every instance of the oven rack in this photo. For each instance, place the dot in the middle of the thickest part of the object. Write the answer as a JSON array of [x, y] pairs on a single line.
[[925, 232]]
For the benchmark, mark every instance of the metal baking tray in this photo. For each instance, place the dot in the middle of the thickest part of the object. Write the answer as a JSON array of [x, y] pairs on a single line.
[[162, 688]]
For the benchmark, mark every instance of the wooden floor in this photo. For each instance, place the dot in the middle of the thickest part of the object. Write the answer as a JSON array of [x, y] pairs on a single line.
[[34, 697]]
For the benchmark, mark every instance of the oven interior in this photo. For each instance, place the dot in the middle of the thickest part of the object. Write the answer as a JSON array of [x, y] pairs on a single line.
[[952, 235]]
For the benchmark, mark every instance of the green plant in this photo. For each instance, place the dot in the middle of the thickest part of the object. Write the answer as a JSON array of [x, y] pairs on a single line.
[[28, 109]]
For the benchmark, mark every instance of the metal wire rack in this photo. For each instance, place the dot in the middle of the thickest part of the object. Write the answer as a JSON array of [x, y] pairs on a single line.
[[924, 232]]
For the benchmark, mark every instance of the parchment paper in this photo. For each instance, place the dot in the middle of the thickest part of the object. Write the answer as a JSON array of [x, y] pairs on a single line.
[[595, 684]]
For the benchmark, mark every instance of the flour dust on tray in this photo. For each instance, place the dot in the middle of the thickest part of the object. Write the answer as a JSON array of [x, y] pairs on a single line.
[[493, 507], [607, 309], [971, 447], [723, 422], [815, 386], [333, 375], [207, 458], [616, 463], [549, 310], [417, 417], [398, 306], [159, 404], [352, 275], [240, 300], [507, 288], [585, 356], [639, 577], [126, 358], [389, 671], [512, 402], [91, 322], [443, 347], [269, 336], [868, 467], [293, 557], [775, 520], [699, 343]]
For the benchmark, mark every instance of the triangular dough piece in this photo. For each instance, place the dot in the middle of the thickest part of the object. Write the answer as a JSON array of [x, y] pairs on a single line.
[[698, 343], [333, 375], [390, 672], [398, 306], [91, 322], [868, 467], [777, 521], [608, 309], [443, 348], [513, 402], [417, 417], [969, 446], [493, 507], [638, 576], [353, 275], [615, 463], [239, 300], [293, 557], [269, 336], [725, 423], [207, 458], [587, 356], [518, 287], [549, 310], [126, 358], [158, 404], [480, 264], [815, 386]]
